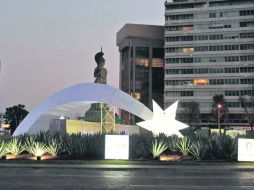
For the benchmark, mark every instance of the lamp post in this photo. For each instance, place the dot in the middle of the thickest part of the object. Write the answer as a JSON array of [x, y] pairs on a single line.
[[219, 106]]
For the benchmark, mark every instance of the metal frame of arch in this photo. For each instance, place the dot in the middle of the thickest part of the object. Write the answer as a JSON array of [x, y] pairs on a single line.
[[85, 92]]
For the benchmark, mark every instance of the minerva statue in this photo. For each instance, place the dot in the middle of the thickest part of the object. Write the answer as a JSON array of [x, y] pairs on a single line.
[[100, 72]]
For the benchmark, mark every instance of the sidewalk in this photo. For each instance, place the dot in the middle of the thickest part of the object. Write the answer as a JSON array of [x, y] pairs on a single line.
[[128, 165]]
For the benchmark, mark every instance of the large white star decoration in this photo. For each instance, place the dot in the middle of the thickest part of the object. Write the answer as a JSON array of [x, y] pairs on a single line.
[[164, 121]]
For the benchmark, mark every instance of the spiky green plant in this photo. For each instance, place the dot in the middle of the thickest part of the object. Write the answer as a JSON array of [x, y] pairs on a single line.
[[198, 149], [53, 149], [14, 147], [158, 148], [228, 147], [141, 151], [140, 145], [37, 149], [171, 142], [96, 146], [184, 145], [214, 148], [77, 145], [42, 137], [29, 142], [2, 149]]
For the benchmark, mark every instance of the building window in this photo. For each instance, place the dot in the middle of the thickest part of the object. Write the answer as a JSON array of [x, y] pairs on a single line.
[[186, 93], [201, 82]]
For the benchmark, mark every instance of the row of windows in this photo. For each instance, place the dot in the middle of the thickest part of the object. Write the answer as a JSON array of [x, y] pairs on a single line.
[[179, 93], [230, 3], [208, 37], [179, 17], [209, 93], [179, 28], [212, 81], [210, 15], [184, 6], [231, 81], [210, 70], [239, 93], [208, 26], [233, 104], [210, 48], [210, 59], [203, 104], [204, 5], [246, 12]]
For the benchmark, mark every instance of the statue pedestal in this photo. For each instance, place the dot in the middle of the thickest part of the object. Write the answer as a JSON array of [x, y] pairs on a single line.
[[94, 113], [101, 113]]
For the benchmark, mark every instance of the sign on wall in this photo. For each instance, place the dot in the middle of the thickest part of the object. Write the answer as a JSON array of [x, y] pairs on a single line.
[[117, 147], [245, 149]]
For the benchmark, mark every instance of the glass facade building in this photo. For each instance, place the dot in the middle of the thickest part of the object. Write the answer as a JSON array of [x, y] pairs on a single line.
[[141, 50], [209, 50]]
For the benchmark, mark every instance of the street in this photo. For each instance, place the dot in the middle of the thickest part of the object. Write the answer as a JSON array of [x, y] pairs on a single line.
[[72, 176]]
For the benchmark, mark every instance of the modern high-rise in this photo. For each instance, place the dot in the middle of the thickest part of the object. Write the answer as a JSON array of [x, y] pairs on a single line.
[[141, 50], [209, 50]]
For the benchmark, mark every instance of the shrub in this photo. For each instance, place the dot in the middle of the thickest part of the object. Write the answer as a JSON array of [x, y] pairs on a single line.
[[214, 149], [228, 147], [158, 148], [141, 151], [171, 142], [96, 146], [184, 145], [198, 149], [76, 146], [29, 142], [14, 147], [37, 149], [2, 149], [53, 148], [140, 145]]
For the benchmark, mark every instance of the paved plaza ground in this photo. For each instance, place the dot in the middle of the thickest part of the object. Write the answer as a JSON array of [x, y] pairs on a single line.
[[80, 175]]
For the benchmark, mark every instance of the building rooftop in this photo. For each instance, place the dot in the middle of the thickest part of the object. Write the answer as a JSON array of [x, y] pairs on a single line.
[[140, 31]]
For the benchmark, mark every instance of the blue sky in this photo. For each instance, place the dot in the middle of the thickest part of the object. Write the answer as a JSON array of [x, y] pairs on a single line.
[[47, 45]]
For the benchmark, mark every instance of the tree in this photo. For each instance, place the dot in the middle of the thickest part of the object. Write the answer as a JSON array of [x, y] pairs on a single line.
[[247, 103], [192, 113], [14, 115], [223, 112]]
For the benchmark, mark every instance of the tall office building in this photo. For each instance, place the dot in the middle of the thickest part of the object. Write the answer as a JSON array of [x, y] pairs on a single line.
[[209, 50], [141, 50]]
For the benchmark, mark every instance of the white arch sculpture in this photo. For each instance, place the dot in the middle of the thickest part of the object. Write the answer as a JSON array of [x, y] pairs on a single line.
[[85, 92]]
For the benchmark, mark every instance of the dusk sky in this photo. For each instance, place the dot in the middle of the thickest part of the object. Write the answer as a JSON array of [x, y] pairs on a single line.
[[47, 45]]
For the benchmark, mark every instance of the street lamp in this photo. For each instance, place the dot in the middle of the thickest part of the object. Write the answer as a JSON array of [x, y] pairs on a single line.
[[219, 106]]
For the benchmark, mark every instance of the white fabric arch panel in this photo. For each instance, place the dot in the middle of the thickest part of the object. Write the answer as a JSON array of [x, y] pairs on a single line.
[[85, 92]]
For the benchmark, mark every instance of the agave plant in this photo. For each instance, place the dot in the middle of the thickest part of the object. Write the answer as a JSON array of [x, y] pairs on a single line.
[[29, 142], [14, 147], [2, 149], [141, 151], [37, 149], [96, 146], [214, 148], [158, 148], [77, 145], [184, 145], [53, 149], [228, 147], [171, 142], [198, 149]]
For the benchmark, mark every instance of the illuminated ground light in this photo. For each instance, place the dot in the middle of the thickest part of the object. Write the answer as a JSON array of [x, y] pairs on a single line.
[[117, 147], [246, 150]]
